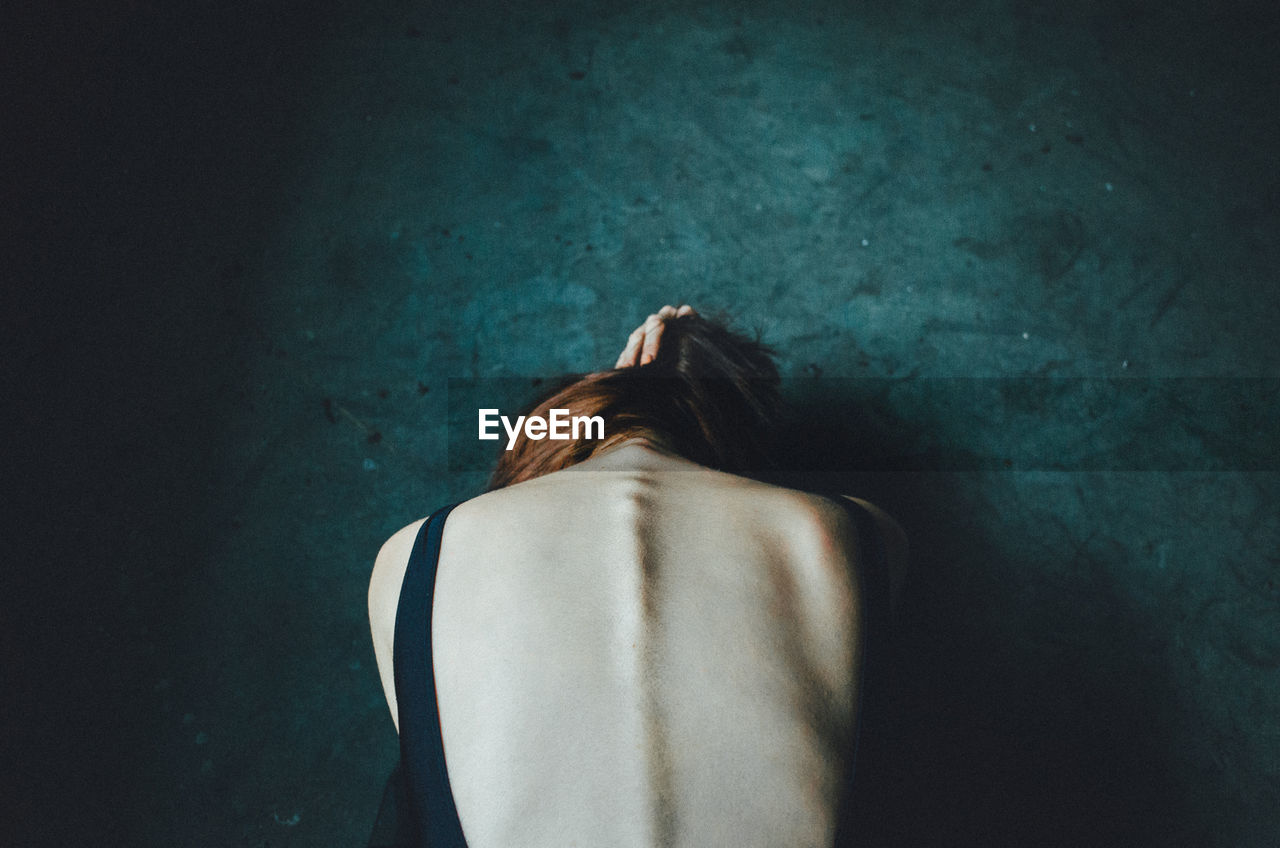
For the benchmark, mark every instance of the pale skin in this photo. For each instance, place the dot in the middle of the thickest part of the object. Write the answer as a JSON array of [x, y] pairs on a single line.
[[640, 651]]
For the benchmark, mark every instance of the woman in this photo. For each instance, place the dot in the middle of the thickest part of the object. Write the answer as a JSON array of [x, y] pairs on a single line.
[[628, 642]]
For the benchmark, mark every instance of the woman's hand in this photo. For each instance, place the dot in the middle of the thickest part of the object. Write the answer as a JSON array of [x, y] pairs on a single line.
[[642, 344]]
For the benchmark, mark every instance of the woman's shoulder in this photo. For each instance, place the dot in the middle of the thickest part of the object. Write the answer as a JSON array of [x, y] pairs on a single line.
[[801, 509], [717, 491]]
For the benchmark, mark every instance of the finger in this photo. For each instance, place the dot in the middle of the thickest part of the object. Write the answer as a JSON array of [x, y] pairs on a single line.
[[628, 356], [632, 347], [667, 312], [686, 309], [651, 339]]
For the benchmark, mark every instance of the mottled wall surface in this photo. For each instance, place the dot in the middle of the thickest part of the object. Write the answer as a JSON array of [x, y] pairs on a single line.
[[987, 240]]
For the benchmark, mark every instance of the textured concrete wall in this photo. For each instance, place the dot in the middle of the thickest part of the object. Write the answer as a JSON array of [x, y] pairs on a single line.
[[984, 239]]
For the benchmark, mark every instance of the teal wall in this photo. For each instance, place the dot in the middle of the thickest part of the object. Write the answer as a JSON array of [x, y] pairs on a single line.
[[1019, 260]]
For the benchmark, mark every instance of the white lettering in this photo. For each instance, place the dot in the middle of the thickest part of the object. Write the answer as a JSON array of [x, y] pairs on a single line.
[[512, 432], [587, 423], [485, 424], [560, 426]]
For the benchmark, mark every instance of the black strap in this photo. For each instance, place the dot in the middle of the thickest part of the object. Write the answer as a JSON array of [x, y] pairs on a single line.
[[421, 745]]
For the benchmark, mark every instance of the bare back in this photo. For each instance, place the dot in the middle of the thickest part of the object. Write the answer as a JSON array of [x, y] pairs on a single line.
[[640, 653]]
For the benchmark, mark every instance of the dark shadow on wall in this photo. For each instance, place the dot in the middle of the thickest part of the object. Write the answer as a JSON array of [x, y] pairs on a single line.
[[141, 176], [1009, 716]]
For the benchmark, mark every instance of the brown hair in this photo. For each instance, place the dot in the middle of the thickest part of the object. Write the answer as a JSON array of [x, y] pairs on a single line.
[[710, 395]]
